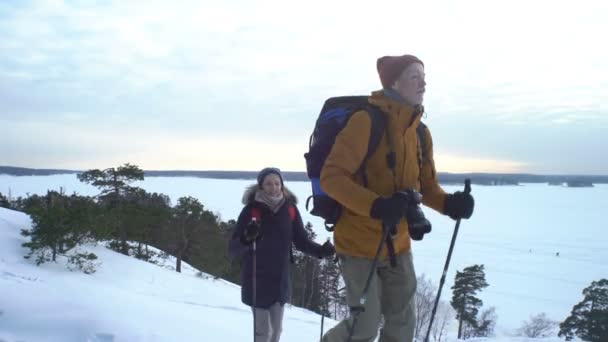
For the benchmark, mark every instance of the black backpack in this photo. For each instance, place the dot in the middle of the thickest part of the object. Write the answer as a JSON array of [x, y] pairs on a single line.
[[333, 118]]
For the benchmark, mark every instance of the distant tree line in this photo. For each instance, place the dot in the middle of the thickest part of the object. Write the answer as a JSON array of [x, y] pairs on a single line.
[[444, 177], [22, 171]]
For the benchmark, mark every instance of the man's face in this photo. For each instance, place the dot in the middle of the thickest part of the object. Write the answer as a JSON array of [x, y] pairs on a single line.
[[411, 85]]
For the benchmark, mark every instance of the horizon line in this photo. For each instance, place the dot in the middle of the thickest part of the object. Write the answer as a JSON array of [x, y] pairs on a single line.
[[59, 170]]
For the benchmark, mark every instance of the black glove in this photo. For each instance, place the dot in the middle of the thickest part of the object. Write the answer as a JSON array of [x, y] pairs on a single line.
[[390, 210], [459, 205], [252, 232], [326, 249]]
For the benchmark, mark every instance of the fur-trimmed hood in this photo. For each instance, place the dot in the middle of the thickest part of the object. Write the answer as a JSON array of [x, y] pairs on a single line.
[[249, 195]]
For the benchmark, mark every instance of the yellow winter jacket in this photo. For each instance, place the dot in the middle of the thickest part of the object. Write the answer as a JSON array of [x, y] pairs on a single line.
[[356, 233]]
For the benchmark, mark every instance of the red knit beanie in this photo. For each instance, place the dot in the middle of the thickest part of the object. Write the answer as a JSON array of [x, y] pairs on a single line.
[[391, 67]]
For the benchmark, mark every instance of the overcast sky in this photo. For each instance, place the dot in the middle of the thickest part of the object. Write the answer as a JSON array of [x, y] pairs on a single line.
[[513, 86]]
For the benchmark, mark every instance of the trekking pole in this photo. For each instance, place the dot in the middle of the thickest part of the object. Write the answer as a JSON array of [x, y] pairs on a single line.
[[326, 299], [323, 312], [322, 318], [363, 299], [467, 189], [254, 289]]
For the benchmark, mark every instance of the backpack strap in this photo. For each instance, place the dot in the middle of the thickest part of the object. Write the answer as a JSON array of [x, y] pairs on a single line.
[[378, 126], [256, 213], [423, 153], [292, 213], [292, 216]]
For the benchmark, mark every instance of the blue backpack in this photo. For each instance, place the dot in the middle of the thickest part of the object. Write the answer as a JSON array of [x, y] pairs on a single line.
[[333, 118]]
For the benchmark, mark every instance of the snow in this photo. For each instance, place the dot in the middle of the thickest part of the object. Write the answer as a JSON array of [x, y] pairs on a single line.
[[515, 232], [125, 300]]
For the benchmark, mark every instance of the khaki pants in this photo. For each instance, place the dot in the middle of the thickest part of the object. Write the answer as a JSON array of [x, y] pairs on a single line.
[[269, 323], [391, 294]]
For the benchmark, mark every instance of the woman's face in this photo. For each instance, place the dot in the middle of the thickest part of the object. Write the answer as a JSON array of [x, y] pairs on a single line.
[[272, 185]]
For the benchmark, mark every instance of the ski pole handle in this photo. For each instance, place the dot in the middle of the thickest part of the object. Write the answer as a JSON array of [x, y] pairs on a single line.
[[467, 186]]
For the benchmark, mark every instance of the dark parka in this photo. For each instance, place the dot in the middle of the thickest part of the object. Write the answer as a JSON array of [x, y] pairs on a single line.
[[273, 249]]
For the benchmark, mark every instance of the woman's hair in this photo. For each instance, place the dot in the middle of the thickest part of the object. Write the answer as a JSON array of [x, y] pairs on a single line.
[[265, 172]]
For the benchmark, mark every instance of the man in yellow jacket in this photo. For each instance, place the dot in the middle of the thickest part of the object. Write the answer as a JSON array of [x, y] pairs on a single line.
[[365, 208]]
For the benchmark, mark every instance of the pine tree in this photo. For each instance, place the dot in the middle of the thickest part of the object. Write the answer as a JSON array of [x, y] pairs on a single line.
[[47, 229], [231, 268], [305, 278], [329, 287], [4, 202], [146, 215], [589, 319], [466, 285], [208, 245], [114, 184], [187, 218], [60, 223]]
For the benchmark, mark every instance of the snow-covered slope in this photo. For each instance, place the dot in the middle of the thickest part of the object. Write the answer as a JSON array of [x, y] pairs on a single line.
[[125, 300]]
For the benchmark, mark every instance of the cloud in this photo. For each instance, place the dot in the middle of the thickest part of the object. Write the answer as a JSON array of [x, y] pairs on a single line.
[[70, 146], [262, 70], [465, 164]]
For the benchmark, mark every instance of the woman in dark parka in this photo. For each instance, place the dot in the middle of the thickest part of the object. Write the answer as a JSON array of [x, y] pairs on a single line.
[[271, 219]]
